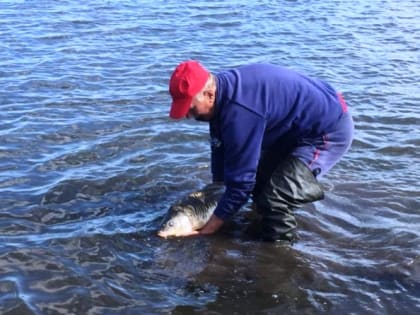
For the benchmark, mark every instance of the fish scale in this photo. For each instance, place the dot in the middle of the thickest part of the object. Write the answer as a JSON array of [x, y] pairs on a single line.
[[192, 212]]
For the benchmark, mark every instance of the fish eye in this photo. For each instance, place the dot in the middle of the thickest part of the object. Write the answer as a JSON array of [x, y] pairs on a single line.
[[171, 223]]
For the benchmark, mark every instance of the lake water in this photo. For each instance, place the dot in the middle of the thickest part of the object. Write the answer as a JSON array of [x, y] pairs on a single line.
[[90, 161]]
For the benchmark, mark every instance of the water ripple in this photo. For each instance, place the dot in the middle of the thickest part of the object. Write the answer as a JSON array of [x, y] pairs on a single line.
[[90, 162]]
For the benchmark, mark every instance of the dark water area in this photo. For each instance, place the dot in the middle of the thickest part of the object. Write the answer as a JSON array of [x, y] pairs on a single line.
[[90, 161]]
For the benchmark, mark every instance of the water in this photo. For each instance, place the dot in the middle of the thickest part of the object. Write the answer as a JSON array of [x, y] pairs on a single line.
[[90, 162]]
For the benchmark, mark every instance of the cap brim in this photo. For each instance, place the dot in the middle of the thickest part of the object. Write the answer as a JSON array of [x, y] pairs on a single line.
[[180, 107]]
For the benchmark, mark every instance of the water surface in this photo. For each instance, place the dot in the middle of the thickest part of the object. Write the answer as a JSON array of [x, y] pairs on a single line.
[[90, 162]]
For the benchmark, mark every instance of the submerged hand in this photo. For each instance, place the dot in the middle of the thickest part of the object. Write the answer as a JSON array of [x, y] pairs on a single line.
[[211, 226]]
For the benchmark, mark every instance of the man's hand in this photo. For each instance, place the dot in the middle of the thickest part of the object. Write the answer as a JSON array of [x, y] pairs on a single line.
[[211, 226]]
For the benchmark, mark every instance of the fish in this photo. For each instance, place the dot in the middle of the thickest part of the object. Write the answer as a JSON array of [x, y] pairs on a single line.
[[192, 212]]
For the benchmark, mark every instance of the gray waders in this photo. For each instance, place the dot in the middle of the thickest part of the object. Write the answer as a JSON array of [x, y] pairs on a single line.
[[290, 185]]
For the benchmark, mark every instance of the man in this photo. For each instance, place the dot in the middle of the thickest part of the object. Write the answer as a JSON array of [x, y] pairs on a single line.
[[273, 132]]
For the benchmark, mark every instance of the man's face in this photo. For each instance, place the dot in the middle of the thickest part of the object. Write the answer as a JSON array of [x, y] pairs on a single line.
[[202, 108]]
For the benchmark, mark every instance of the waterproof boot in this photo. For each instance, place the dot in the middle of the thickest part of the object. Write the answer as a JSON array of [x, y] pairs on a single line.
[[291, 185]]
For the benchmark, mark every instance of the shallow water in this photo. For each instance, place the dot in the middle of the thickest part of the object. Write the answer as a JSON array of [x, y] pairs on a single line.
[[90, 162]]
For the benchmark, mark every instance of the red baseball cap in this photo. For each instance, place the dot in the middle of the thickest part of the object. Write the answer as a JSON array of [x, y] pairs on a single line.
[[186, 81]]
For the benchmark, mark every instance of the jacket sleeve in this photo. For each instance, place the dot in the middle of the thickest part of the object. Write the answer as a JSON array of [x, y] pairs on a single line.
[[242, 132]]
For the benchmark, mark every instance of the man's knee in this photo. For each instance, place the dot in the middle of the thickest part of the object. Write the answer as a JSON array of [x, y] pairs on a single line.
[[291, 184]]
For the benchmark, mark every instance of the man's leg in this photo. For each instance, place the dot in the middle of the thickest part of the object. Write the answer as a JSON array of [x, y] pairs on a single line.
[[283, 187], [322, 153], [291, 185]]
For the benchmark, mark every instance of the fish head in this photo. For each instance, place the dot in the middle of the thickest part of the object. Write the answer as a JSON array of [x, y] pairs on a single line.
[[176, 222]]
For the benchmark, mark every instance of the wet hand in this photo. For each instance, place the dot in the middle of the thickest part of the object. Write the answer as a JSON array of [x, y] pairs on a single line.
[[211, 226]]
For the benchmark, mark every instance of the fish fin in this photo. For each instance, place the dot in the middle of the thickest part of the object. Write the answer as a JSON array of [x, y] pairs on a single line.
[[196, 194]]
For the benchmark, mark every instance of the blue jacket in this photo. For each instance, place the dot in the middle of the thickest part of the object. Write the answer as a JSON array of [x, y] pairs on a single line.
[[255, 107]]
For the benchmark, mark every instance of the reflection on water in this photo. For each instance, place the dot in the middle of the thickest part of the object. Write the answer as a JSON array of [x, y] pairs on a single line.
[[90, 162]]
